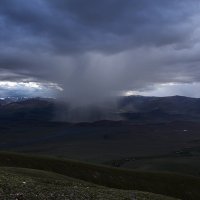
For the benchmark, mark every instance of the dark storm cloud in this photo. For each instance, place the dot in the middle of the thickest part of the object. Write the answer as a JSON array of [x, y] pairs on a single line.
[[95, 49], [107, 25]]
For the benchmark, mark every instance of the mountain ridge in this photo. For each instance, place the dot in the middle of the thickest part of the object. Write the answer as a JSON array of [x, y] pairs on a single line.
[[131, 108]]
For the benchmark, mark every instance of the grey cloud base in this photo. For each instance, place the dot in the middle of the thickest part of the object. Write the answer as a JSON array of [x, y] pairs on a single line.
[[98, 49]]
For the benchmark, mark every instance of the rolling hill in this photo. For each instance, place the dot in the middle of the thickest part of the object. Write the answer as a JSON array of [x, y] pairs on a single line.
[[169, 184], [21, 183]]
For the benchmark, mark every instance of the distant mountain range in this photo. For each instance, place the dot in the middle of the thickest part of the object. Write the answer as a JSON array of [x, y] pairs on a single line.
[[7, 100], [132, 108], [26, 109], [160, 108]]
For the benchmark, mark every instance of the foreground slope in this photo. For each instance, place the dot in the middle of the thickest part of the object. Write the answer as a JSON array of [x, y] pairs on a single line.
[[20, 183], [178, 186]]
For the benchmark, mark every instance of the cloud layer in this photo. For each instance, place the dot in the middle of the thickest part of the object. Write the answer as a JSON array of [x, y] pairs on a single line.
[[97, 49]]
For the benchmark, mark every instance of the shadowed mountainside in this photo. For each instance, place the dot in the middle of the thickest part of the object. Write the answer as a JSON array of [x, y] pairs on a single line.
[[134, 108]]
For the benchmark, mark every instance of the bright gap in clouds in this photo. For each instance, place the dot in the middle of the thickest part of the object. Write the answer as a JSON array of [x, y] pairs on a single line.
[[48, 89], [170, 89], [28, 89], [11, 84]]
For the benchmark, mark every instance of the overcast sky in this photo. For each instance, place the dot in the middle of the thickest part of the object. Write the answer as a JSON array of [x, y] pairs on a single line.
[[95, 49]]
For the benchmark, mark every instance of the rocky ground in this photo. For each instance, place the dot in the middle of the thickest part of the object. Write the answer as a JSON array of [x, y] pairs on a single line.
[[28, 184]]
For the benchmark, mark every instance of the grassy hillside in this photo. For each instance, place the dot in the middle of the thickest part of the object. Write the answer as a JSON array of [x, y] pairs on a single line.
[[98, 142], [185, 165], [178, 186], [20, 183]]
